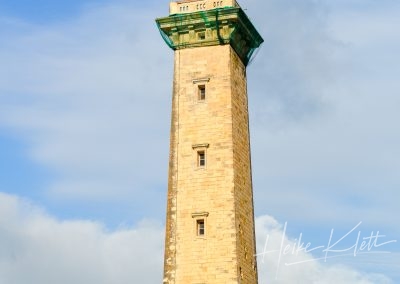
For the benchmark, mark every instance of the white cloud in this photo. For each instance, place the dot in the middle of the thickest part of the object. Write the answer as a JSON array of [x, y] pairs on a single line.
[[37, 248], [273, 270]]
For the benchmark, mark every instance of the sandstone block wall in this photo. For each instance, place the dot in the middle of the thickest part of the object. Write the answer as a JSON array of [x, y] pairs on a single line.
[[220, 193]]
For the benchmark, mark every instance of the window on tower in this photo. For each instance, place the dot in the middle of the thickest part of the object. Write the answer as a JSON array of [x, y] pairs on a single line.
[[201, 158], [201, 92], [200, 89], [200, 219], [200, 227], [199, 155]]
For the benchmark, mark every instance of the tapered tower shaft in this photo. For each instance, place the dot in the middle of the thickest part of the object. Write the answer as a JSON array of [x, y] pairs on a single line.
[[210, 220]]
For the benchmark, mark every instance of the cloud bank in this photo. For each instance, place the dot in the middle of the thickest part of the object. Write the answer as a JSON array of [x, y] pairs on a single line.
[[37, 248], [273, 269]]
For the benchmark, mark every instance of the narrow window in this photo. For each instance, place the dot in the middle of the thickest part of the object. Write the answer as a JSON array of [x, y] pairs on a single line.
[[201, 158], [201, 92], [200, 227], [202, 36]]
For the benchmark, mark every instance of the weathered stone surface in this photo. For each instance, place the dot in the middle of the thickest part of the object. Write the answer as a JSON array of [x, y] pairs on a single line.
[[222, 188]]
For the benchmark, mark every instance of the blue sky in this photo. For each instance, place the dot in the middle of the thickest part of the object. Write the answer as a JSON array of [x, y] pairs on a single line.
[[45, 11], [85, 104]]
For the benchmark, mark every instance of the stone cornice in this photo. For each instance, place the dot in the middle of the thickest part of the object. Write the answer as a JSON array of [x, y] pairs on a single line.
[[211, 27]]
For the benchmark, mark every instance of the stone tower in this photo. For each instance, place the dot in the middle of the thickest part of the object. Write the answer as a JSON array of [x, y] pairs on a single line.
[[210, 219]]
